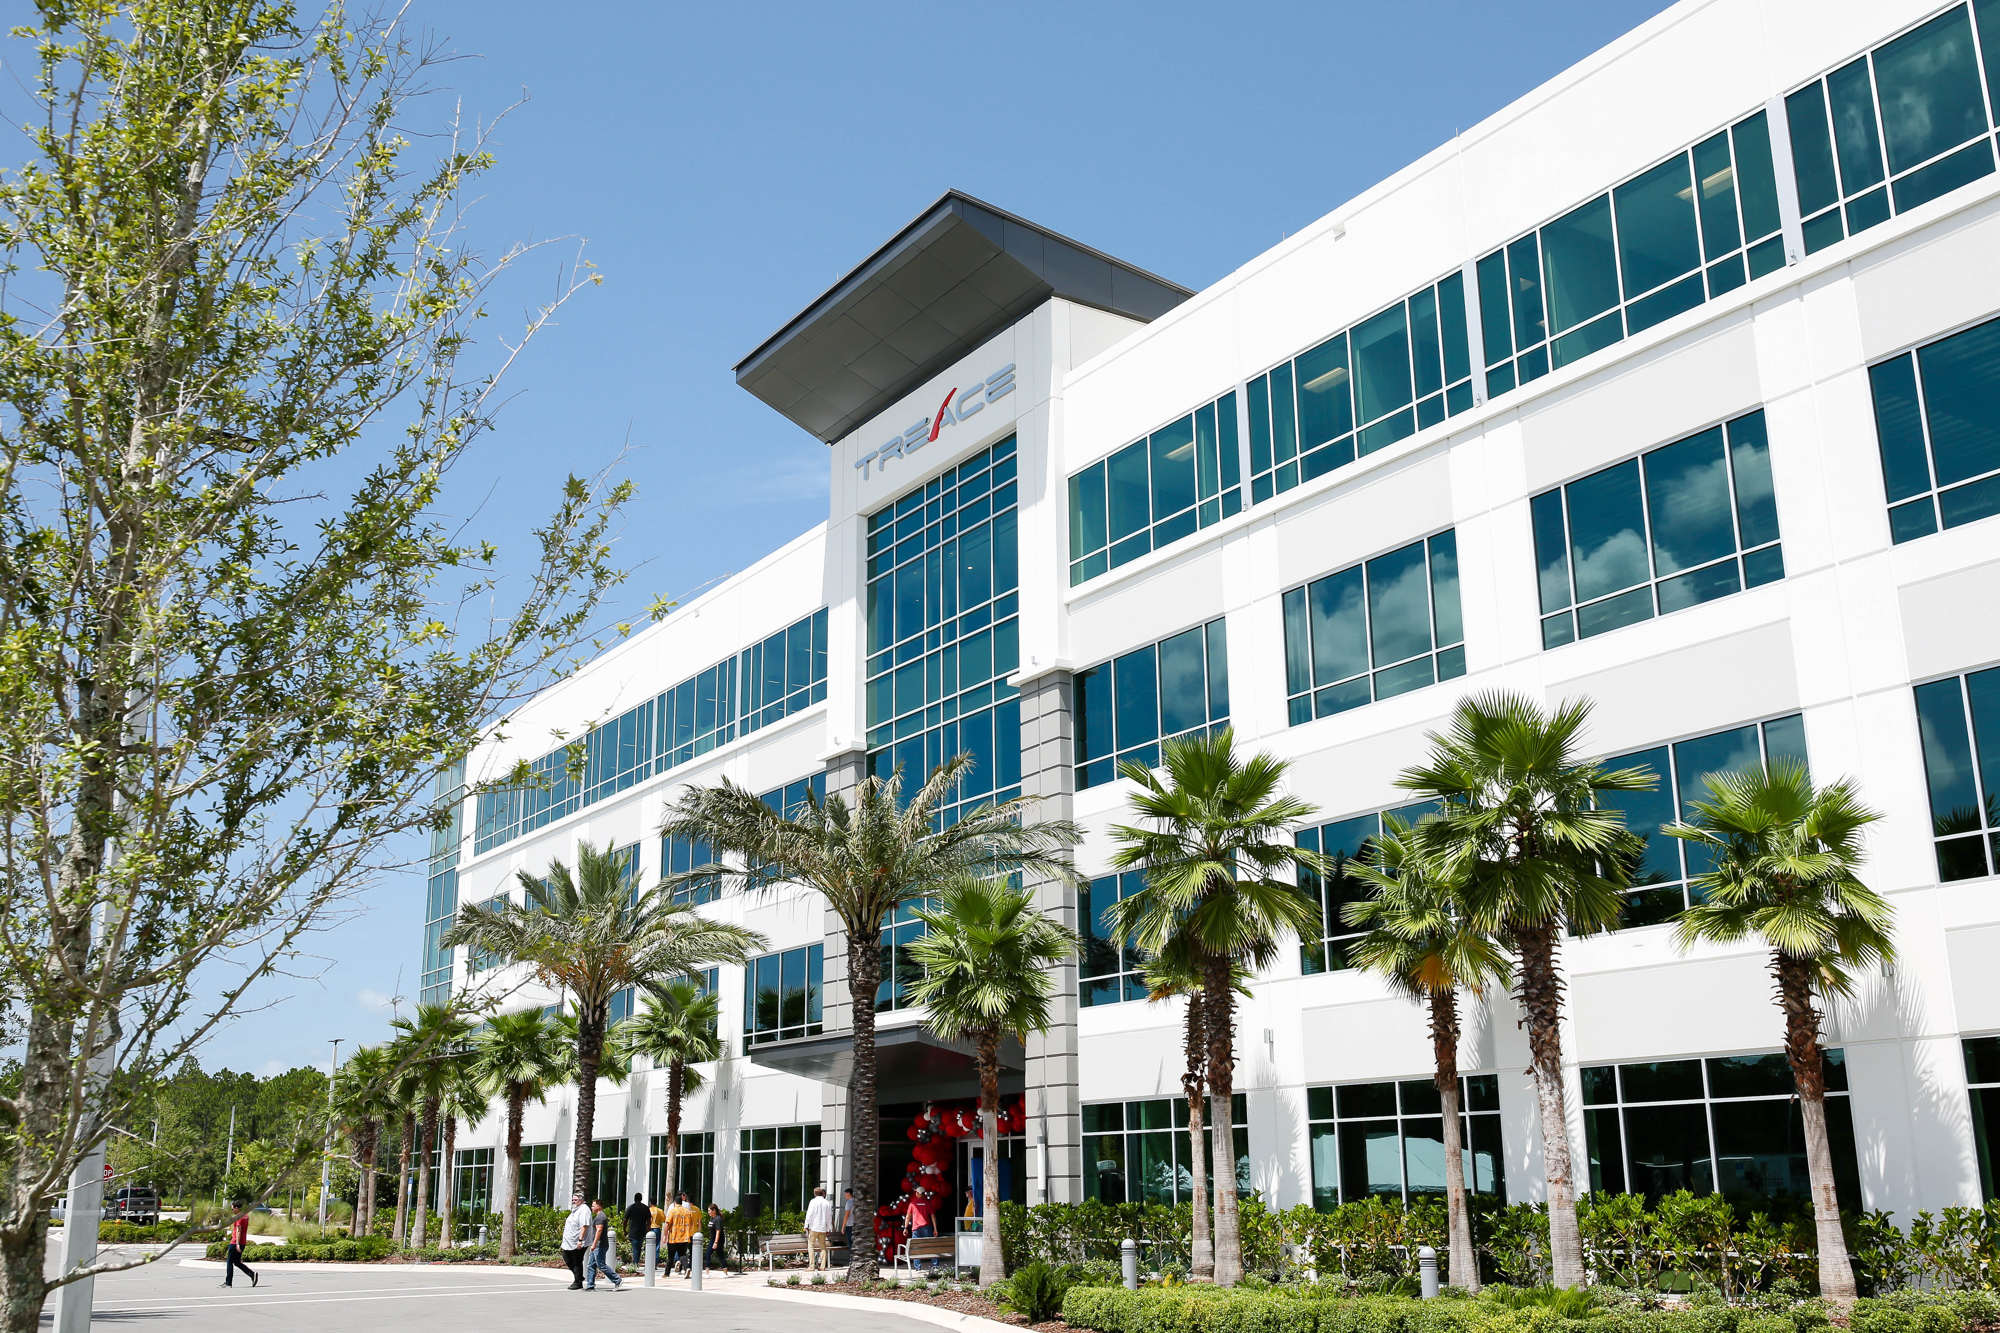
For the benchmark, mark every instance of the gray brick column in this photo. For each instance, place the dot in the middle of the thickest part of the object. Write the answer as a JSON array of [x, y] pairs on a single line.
[[844, 772], [1048, 781]]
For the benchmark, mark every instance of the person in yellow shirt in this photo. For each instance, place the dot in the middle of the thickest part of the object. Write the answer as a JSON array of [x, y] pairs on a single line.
[[683, 1221], [660, 1221]]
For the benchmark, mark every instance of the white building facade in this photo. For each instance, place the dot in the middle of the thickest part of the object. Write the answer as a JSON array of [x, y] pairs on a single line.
[[1676, 384]]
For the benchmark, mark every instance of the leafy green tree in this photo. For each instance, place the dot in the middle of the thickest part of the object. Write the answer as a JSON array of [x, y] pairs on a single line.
[[1421, 936], [237, 365], [590, 935], [1785, 860], [364, 1105], [865, 855], [988, 961], [1214, 836], [1527, 828], [676, 1030], [465, 1098], [432, 1045], [517, 1057]]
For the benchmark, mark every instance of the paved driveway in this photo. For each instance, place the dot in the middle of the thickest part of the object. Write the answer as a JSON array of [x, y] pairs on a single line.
[[310, 1298]]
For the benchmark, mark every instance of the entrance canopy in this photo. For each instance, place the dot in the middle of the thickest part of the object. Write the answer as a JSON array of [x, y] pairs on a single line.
[[911, 1062]]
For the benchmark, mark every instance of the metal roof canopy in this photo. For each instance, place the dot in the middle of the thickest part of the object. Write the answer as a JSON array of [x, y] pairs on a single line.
[[950, 280], [911, 1062]]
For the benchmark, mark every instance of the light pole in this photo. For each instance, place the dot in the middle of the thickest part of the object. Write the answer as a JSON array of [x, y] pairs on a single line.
[[326, 1149]]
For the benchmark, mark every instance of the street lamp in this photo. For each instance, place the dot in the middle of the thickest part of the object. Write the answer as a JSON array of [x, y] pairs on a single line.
[[326, 1149]]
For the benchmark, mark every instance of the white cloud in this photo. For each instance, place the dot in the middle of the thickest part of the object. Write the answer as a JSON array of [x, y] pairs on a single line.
[[272, 1068], [369, 998]]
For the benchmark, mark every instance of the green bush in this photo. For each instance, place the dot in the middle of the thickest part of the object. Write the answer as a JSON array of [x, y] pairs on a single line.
[[347, 1250], [1037, 1290]]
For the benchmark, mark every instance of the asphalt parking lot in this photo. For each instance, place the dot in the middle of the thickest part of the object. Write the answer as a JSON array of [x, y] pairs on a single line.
[[172, 1294]]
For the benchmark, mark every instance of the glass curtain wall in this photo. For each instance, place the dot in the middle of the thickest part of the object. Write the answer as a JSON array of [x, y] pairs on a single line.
[[1127, 707], [1937, 420], [1386, 1140]]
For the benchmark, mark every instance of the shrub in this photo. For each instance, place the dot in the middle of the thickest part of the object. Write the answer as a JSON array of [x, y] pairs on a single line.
[[1037, 1290]]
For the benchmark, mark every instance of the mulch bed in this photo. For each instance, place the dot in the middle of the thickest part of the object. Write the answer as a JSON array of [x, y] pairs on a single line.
[[959, 1302]]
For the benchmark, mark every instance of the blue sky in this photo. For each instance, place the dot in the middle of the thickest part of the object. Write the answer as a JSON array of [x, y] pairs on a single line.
[[726, 163]]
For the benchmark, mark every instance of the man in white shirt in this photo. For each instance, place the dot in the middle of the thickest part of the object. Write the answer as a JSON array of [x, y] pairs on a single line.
[[819, 1227], [576, 1236]]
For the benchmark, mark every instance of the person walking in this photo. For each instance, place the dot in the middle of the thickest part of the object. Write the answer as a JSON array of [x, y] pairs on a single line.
[[683, 1222], [819, 1228], [638, 1221], [576, 1239], [716, 1255], [847, 1220], [601, 1259], [239, 1239]]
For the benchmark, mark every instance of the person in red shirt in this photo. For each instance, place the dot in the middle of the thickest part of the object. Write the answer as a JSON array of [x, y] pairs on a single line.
[[921, 1214], [239, 1236]]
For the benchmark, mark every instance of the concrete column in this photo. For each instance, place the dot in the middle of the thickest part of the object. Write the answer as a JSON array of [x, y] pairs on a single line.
[[1048, 781]]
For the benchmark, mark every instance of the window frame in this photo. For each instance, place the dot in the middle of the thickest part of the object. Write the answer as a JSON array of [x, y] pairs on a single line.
[[1447, 660], [1931, 498], [1099, 770], [813, 964], [1490, 1118], [1328, 937], [1175, 1136], [1205, 512], [749, 1150], [533, 1161], [1988, 833]]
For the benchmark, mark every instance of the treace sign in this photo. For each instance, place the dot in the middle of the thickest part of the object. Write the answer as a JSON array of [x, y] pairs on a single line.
[[959, 404]]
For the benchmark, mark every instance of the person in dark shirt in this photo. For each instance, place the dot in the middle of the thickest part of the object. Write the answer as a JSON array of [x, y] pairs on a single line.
[[638, 1221]]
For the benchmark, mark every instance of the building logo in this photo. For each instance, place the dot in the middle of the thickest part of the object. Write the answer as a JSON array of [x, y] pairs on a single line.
[[958, 404]]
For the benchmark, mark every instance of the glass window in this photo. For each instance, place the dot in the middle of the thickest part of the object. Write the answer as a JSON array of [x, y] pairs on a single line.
[[1896, 128], [1389, 376], [1937, 422], [1725, 1124], [1126, 707], [1137, 1152], [1107, 973], [1660, 888], [1387, 1140], [1958, 720], [609, 1161], [1383, 627], [948, 555], [537, 1185], [695, 1168], [1342, 840], [1982, 1076], [472, 1183], [784, 673], [1701, 223], [780, 1166], [1183, 477], [781, 997], [1683, 524]]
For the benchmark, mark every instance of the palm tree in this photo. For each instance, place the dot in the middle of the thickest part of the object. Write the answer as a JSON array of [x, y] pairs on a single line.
[[591, 935], [465, 1099], [1524, 827], [1420, 936], [677, 1030], [1216, 833], [988, 957], [431, 1045], [519, 1057], [366, 1104], [614, 1066], [1166, 978], [866, 855], [406, 1099], [1786, 859]]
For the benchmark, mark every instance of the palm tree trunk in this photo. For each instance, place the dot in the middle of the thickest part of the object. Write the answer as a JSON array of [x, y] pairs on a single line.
[[1464, 1264], [1541, 1000], [1194, 1082], [403, 1178], [589, 1050], [864, 973], [510, 1198], [370, 1180], [447, 1181], [420, 1225], [1219, 1014], [676, 1089], [992, 1262], [1802, 1051]]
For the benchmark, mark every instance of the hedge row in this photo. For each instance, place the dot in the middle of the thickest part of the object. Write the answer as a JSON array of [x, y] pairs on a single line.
[[350, 1250], [1325, 1310]]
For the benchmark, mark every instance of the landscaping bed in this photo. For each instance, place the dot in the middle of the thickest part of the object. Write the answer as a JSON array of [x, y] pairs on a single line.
[[960, 1298]]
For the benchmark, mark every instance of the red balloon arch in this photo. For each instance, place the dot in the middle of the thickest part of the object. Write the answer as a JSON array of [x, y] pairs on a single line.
[[932, 1136]]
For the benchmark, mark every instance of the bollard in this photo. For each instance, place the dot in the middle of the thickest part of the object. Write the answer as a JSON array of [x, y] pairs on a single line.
[[652, 1255], [694, 1263], [1128, 1259], [1427, 1271], [482, 1234]]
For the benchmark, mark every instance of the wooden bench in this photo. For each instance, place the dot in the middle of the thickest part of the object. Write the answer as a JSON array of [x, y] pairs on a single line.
[[924, 1247], [786, 1245]]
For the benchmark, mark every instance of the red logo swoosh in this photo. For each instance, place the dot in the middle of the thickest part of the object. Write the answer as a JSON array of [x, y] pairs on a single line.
[[938, 424]]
